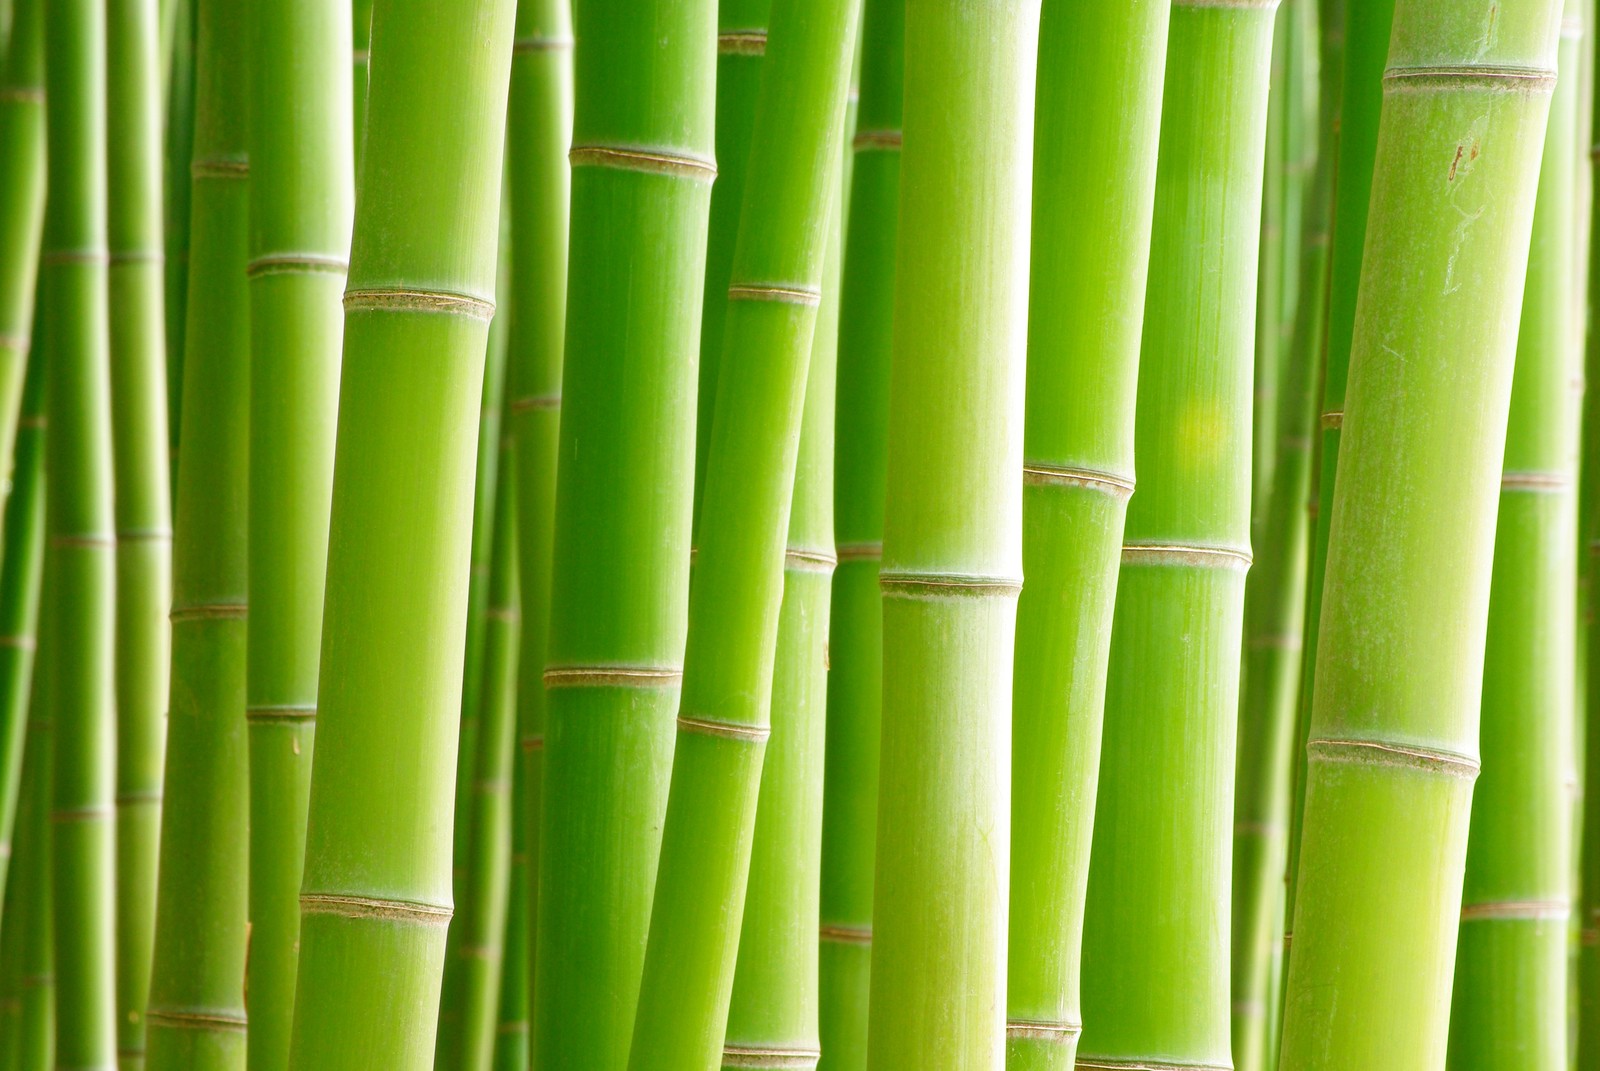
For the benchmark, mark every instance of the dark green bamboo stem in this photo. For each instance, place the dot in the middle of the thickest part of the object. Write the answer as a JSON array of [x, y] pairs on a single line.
[[376, 891], [301, 199], [511, 1051], [34, 921], [360, 57], [1588, 978], [22, 191]]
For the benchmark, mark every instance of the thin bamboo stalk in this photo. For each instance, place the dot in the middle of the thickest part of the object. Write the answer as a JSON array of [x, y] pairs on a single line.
[[1509, 1007], [376, 889], [1155, 952], [1393, 737], [22, 193], [179, 192], [952, 556], [35, 918], [1100, 84], [642, 168], [511, 1049], [360, 58], [301, 200], [855, 680], [80, 558], [1270, 276], [197, 1009]]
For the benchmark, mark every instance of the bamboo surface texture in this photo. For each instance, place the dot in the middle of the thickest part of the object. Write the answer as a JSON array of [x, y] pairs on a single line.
[[1393, 737]]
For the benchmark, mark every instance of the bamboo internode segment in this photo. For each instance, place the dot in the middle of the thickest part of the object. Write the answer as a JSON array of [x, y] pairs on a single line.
[[649, 161]]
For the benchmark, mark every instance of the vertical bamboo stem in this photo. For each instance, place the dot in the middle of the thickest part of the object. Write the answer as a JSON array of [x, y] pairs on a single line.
[[1155, 960], [376, 890], [360, 59], [22, 194], [1393, 738], [1588, 978], [301, 199], [179, 191], [511, 1051], [34, 921]]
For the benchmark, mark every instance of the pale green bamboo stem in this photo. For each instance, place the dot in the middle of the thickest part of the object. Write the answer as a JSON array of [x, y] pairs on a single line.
[[376, 891], [22, 191], [179, 187], [301, 199], [1100, 83], [1393, 737], [1270, 291], [80, 558], [952, 556], [1155, 951], [1509, 1007], [642, 169]]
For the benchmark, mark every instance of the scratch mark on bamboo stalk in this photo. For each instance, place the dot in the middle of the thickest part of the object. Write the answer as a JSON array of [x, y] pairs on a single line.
[[218, 1022], [541, 44], [860, 552], [1536, 482], [418, 299], [1185, 555], [298, 713], [1101, 1063], [742, 43], [947, 585], [1058, 1033], [1509, 79], [801, 560], [775, 292], [730, 730], [650, 161], [1517, 911], [536, 403], [1402, 756], [296, 264], [877, 141], [1037, 474], [372, 907], [220, 611], [613, 676], [220, 167], [846, 935]]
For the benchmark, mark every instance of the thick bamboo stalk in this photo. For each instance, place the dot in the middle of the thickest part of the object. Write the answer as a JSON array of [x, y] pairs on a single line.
[[1509, 1008], [855, 647], [376, 890], [80, 558], [642, 170], [952, 556], [1155, 952], [301, 200], [1094, 170], [22, 191], [197, 1010], [1393, 738], [1588, 978], [179, 190]]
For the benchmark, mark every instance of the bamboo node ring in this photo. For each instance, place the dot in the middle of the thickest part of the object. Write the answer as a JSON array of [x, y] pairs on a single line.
[[19, 643], [299, 713], [799, 560], [22, 95], [1537, 482], [296, 264], [408, 299], [613, 676], [1506, 78], [144, 535], [220, 167], [13, 342], [93, 812], [221, 1022], [536, 403], [138, 256], [729, 730], [372, 907], [877, 141], [1224, 3], [1195, 555], [846, 935], [649, 161], [65, 257], [783, 295], [83, 541], [533, 743], [771, 1058], [220, 611], [947, 585], [1104, 1063], [742, 43], [1332, 419], [1517, 911], [1403, 756], [1039, 1030], [1036, 474], [860, 552], [541, 44]]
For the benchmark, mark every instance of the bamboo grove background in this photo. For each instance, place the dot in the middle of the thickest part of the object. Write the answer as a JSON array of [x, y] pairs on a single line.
[[657, 535]]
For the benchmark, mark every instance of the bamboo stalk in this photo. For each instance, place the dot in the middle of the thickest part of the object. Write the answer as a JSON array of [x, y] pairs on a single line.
[[376, 889], [953, 538], [22, 194], [1509, 1006], [511, 1050], [34, 920], [1393, 738], [642, 168], [360, 57], [1163, 819], [80, 558], [301, 200], [179, 193], [1100, 88], [1588, 725], [855, 680], [1270, 291], [197, 1011]]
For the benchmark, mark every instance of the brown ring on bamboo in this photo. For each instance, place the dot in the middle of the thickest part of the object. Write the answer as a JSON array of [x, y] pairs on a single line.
[[144, 535], [34, 423], [218, 611], [1404, 756], [296, 264], [946, 585], [21, 95], [1102, 1063], [878, 141], [649, 161], [1517, 911], [1489, 76], [536, 43], [728, 730], [775, 292], [1332, 419], [220, 167], [94, 257], [1189, 555], [503, 614], [178, 1019], [1035, 474], [416, 299], [1040, 1030], [137, 256], [491, 786], [1224, 3], [360, 55], [536, 403], [742, 43], [613, 676], [532, 743], [773, 1059], [798, 560], [372, 907], [293, 713], [84, 541], [19, 643], [91, 813], [845, 935], [860, 552], [1536, 482], [483, 952]]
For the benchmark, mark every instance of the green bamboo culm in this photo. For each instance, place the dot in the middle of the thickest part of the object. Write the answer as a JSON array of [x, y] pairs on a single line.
[[301, 200], [183, 16], [1509, 1008], [1158, 891], [952, 553], [511, 1023], [22, 195], [360, 56], [376, 892], [34, 918], [1588, 977], [640, 190], [1100, 85], [1270, 275], [855, 625], [197, 1009], [1394, 724], [80, 558], [142, 493]]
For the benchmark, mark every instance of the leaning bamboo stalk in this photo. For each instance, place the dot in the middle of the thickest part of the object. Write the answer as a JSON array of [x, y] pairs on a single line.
[[1158, 891], [376, 889], [1394, 724], [855, 617], [952, 555], [301, 200], [1100, 88], [1509, 1006], [197, 1012], [640, 189], [34, 921], [80, 557], [22, 193]]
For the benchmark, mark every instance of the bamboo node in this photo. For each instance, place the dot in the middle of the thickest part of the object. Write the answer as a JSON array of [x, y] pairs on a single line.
[[21, 94], [1105, 1063], [1196, 556], [773, 1058], [38, 981], [846, 935], [783, 295], [1488, 76], [19, 642], [798, 560], [1402, 756], [877, 141], [518, 1027], [1036, 474], [137, 256], [1536, 482], [533, 743], [33, 423], [83, 540], [1333, 419], [298, 713], [93, 812], [216, 1022], [613, 676], [1040, 1030], [860, 552], [1253, 1009], [1257, 828], [649, 161], [742, 43], [220, 611], [360, 55], [536, 403], [141, 798], [296, 264], [730, 730], [537, 43], [406, 299], [491, 786], [503, 614], [947, 585], [66, 257], [221, 167], [1225, 3], [484, 952], [372, 907], [1589, 937], [1517, 911]]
